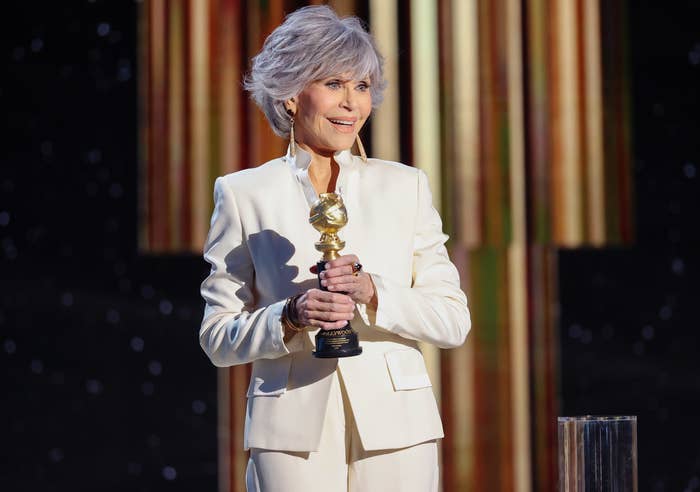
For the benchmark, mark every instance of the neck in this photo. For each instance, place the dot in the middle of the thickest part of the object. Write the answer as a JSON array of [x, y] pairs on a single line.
[[323, 170]]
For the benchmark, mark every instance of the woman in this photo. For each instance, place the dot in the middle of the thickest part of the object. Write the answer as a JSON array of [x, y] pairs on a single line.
[[368, 422]]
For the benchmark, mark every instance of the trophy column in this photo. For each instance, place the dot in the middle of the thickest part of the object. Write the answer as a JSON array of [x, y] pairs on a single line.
[[328, 215]]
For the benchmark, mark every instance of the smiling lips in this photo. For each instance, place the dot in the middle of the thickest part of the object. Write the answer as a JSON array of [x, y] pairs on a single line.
[[343, 125]]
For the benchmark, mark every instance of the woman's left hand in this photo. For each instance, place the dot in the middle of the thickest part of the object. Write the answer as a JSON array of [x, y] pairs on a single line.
[[340, 276]]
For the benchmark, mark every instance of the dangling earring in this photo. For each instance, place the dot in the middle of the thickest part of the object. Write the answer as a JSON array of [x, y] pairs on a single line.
[[361, 148], [292, 144]]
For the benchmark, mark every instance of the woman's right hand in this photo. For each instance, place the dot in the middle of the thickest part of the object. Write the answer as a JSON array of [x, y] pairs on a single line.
[[325, 310]]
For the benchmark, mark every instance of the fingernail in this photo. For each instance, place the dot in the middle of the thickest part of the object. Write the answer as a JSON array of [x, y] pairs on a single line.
[[324, 282]]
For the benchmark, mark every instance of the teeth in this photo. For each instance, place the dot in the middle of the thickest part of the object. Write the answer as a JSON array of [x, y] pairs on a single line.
[[338, 122]]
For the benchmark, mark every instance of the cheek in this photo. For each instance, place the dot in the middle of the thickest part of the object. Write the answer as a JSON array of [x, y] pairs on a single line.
[[366, 107]]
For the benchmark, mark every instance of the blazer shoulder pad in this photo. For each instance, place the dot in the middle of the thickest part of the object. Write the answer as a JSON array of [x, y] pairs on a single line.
[[253, 178], [392, 170]]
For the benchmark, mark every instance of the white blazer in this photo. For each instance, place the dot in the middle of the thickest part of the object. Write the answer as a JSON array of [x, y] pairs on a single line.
[[261, 246]]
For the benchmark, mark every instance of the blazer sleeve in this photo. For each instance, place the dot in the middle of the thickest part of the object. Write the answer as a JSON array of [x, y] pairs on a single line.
[[233, 331], [434, 308]]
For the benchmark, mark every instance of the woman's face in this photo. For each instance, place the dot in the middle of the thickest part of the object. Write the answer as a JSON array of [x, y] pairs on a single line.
[[329, 113]]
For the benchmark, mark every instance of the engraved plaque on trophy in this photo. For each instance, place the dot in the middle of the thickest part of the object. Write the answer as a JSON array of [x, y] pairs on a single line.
[[328, 216]]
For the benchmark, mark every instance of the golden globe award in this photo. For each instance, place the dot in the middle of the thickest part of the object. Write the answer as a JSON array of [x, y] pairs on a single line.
[[328, 215]]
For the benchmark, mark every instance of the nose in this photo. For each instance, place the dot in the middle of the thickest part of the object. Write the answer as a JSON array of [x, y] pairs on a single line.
[[349, 101]]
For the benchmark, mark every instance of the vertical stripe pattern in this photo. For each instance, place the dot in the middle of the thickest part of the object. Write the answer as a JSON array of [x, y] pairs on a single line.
[[518, 111]]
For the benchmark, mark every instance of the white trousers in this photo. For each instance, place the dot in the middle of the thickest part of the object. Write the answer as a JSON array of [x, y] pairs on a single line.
[[341, 464]]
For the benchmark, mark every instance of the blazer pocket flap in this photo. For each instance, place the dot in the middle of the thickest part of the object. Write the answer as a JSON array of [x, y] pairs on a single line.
[[407, 370], [269, 377]]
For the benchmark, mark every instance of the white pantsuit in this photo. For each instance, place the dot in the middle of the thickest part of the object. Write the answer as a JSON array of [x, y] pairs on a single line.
[[260, 247]]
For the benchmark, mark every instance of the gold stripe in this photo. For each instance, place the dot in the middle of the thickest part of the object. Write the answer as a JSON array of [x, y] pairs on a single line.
[[465, 62], [426, 125], [156, 137], [595, 172], [385, 120], [144, 29], [223, 399], [571, 207], [176, 122], [425, 93], [462, 394], [199, 119], [517, 261], [230, 90]]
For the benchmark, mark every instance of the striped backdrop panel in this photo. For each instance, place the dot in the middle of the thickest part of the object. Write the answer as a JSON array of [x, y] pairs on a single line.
[[519, 113]]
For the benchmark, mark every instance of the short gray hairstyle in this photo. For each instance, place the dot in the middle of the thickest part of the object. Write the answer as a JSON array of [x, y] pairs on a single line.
[[312, 43]]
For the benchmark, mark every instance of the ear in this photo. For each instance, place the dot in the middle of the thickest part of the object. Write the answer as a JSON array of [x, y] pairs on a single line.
[[290, 105]]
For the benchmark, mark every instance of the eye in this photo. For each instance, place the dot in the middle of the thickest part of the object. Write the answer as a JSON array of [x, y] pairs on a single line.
[[333, 84], [363, 86]]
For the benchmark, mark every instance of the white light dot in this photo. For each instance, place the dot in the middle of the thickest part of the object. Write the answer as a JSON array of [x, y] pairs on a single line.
[[147, 291], [136, 344], [694, 58], [113, 316], [166, 307], [199, 407], [586, 336], [147, 388], [169, 473], [46, 148], [575, 331], [103, 29], [155, 368], [93, 386], [648, 332], [67, 299], [116, 190], [153, 441], [665, 313], [10, 346], [94, 156], [37, 366], [37, 44], [689, 170], [56, 455], [4, 218], [678, 266]]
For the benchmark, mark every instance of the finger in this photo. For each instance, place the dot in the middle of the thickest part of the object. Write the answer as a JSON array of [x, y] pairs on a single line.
[[328, 297], [334, 326], [313, 306], [342, 260], [348, 287], [328, 307], [317, 318], [332, 283], [337, 271]]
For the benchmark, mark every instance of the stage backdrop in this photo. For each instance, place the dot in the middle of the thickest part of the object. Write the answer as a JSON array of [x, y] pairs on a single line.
[[517, 110]]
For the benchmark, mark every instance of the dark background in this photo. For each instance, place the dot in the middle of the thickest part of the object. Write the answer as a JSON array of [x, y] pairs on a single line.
[[105, 387]]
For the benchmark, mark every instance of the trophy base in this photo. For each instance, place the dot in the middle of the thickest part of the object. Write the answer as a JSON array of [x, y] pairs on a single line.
[[331, 344]]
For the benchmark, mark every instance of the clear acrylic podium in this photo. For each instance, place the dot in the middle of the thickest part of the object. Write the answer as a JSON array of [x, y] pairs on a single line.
[[598, 454]]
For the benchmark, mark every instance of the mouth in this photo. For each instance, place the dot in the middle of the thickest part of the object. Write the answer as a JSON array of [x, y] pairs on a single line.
[[343, 125]]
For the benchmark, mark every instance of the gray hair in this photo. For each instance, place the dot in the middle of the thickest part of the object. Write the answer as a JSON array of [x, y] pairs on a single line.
[[312, 43]]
